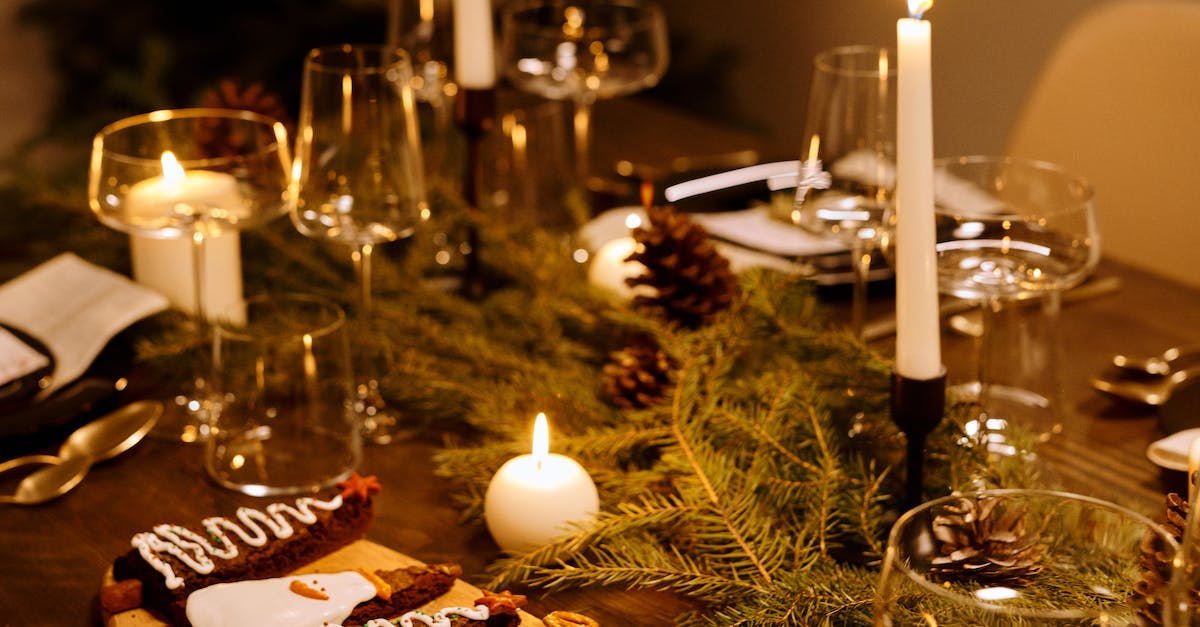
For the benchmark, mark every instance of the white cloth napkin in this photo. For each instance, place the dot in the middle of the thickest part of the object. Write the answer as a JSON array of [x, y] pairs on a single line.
[[74, 308]]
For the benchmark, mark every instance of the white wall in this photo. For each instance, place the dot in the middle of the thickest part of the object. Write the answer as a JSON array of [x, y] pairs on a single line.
[[26, 80], [986, 53]]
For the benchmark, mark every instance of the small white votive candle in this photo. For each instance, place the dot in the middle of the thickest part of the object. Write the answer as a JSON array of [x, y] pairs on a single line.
[[539, 498], [609, 269]]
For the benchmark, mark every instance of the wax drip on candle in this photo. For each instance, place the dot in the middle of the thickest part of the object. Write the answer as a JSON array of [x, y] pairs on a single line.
[[917, 8]]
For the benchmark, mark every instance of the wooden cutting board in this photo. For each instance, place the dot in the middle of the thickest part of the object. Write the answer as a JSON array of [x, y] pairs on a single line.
[[361, 554]]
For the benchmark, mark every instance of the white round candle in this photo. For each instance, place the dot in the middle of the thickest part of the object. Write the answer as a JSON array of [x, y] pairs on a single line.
[[538, 498], [608, 268]]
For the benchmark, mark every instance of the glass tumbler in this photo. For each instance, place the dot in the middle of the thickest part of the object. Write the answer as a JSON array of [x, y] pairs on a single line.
[[284, 422]]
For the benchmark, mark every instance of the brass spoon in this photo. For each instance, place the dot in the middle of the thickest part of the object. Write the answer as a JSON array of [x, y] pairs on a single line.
[[99, 440], [48, 483], [1161, 364], [1154, 392], [113, 434]]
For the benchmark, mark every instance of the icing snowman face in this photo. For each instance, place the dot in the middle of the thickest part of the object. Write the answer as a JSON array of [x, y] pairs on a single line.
[[299, 601]]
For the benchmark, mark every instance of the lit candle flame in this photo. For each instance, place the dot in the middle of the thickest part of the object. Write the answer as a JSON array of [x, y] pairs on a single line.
[[917, 8], [541, 439], [633, 221], [647, 192], [172, 171]]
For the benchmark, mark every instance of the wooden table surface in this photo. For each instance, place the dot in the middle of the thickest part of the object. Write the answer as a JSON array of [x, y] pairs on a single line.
[[52, 557]]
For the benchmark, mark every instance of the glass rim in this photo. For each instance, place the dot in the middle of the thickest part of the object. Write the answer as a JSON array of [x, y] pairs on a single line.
[[823, 61], [1085, 197], [319, 59], [1019, 612], [100, 146], [651, 12], [316, 331]]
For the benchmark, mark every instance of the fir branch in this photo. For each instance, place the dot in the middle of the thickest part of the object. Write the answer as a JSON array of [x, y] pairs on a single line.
[[713, 498]]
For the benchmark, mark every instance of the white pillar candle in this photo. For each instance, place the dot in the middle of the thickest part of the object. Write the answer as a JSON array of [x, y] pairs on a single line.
[[918, 348], [165, 265], [538, 498], [474, 52]]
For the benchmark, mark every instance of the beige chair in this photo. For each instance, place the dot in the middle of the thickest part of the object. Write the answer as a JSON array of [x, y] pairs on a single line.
[[1119, 102]]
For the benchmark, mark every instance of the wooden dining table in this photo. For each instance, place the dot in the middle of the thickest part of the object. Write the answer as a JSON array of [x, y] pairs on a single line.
[[53, 556]]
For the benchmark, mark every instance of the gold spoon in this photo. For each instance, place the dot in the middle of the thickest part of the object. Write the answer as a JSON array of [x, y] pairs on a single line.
[[113, 434], [1154, 392], [99, 440], [48, 483], [1161, 364]]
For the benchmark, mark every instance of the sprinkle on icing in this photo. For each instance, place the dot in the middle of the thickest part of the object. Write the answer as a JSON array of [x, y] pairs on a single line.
[[194, 549], [440, 618]]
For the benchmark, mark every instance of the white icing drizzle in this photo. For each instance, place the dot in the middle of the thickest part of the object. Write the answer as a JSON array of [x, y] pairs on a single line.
[[440, 618], [193, 549], [273, 602]]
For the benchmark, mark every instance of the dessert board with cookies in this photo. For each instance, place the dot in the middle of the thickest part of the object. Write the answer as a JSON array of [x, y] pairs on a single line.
[[292, 564], [360, 554]]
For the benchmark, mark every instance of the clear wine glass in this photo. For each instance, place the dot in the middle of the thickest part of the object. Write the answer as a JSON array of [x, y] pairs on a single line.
[[358, 180], [194, 174], [848, 156], [1016, 557], [1010, 230], [583, 51]]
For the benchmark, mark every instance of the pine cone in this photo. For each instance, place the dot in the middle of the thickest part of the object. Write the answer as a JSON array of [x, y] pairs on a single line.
[[637, 376], [692, 281], [218, 141], [1156, 566], [982, 541]]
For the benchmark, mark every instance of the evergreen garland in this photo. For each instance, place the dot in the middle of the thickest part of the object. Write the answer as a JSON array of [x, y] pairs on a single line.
[[761, 488]]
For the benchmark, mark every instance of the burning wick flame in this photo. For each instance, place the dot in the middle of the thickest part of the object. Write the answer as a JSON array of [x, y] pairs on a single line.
[[172, 171], [647, 193], [541, 439], [917, 8]]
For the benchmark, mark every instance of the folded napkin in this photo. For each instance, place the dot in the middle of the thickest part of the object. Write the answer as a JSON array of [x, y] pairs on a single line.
[[74, 308]]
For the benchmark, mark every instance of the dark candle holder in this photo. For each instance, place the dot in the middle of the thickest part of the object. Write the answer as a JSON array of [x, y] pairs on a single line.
[[917, 408], [475, 113]]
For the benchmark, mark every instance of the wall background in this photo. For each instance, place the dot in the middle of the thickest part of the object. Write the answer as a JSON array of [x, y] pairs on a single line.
[[986, 53]]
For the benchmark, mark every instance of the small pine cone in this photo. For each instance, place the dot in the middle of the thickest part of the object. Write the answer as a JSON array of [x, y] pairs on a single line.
[[1147, 596], [692, 282], [219, 141], [637, 376], [980, 540]]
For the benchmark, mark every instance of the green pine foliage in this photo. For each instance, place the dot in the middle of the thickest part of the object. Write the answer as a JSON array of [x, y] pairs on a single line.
[[762, 488]]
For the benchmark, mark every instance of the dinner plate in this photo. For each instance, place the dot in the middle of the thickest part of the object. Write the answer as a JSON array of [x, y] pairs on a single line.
[[749, 238], [28, 421], [24, 388]]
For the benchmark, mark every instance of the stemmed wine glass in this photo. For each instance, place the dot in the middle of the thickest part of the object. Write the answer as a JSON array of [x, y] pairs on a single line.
[[582, 51], [1016, 557], [194, 174], [358, 180], [848, 156], [1010, 230]]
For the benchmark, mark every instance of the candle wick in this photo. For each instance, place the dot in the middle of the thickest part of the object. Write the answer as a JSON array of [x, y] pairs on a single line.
[[539, 463]]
